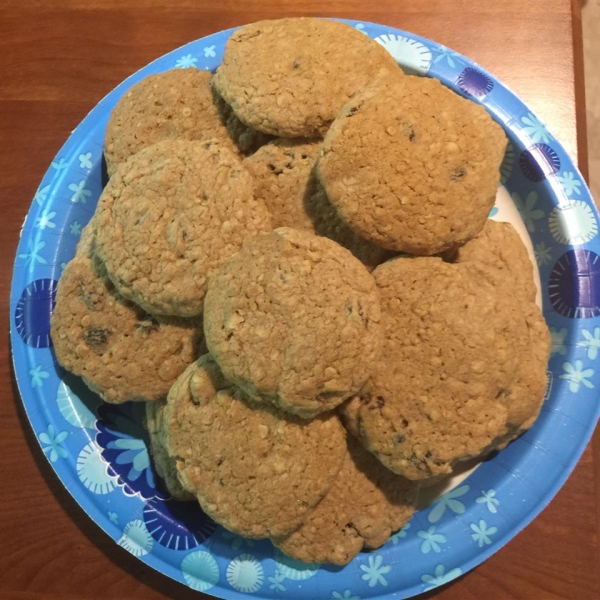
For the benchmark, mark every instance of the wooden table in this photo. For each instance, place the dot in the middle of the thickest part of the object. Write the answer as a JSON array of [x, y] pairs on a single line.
[[57, 59]]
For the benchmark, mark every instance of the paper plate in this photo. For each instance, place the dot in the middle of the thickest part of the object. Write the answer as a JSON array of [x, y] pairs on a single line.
[[99, 451]]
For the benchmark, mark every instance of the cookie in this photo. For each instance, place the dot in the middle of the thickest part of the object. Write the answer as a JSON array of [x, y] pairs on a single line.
[[366, 503], [284, 179], [412, 166], [247, 140], [290, 77], [451, 348], [171, 215], [121, 352], [293, 319], [253, 471], [176, 104], [165, 466], [499, 246]]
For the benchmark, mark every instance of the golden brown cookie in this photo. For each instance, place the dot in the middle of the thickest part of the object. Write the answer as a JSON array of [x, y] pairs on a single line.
[[247, 140], [365, 505], [284, 179], [253, 471], [121, 352], [451, 349], [166, 467], [293, 319], [171, 215], [411, 165], [500, 247], [176, 104], [290, 77]]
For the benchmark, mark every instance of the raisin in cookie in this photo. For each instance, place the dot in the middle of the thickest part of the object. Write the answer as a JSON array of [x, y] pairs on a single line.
[[121, 352]]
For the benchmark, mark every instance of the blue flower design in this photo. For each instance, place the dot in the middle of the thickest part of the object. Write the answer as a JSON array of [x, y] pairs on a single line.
[[577, 376], [448, 500], [177, 525], [59, 164], [53, 443], [489, 499], [482, 533], [527, 209], [80, 192], [245, 574], [570, 183], [445, 54], [45, 220], [85, 160], [543, 254], [347, 595], [209, 52], [113, 516], [432, 540], [535, 129], [33, 255], [591, 342], [41, 195], [75, 228], [277, 582], [402, 533], [186, 62], [122, 439], [374, 573], [558, 341], [37, 376], [440, 577], [493, 212]]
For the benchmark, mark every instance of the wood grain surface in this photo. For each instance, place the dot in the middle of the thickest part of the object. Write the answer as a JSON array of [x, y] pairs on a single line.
[[57, 60]]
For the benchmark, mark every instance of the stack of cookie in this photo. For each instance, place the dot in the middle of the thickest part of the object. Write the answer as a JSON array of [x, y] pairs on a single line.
[[292, 265]]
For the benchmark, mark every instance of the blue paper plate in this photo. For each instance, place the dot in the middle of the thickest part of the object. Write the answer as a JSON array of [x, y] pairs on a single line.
[[99, 451]]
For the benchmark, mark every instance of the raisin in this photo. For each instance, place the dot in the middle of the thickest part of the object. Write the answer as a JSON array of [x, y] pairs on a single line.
[[96, 336]]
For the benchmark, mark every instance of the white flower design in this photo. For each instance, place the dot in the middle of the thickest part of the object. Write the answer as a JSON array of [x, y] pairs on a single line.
[[577, 376], [80, 192], [85, 160], [482, 533], [535, 129], [186, 62], [374, 573], [489, 499], [45, 220]]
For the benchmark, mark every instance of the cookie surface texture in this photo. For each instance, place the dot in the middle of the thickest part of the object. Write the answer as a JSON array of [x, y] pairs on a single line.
[[293, 319], [411, 165], [499, 246], [365, 505], [451, 351], [121, 352], [285, 181], [176, 104], [253, 471], [290, 77], [171, 215], [166, 467]]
